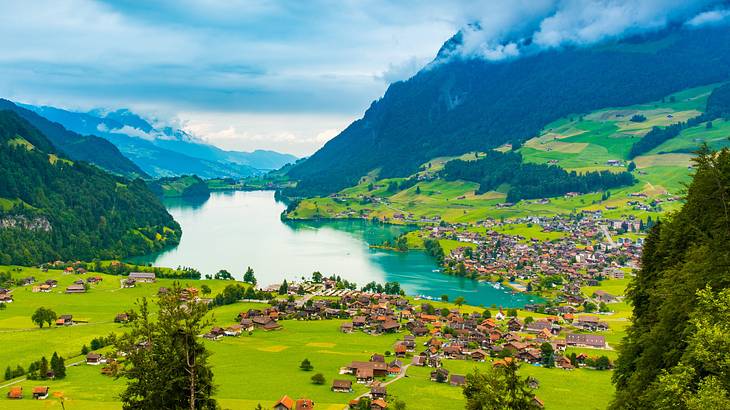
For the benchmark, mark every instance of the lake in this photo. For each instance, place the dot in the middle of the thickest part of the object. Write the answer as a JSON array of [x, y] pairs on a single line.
[[234, 230]]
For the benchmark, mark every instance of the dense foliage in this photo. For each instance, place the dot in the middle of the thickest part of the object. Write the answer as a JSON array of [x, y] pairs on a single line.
[[464, 105], [166, 363], [499, 388], [676, 347], [528, 181], [180, 187], [70, 210]]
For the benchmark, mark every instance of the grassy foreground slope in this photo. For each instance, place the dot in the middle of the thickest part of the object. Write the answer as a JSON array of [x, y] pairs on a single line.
[[599, 140]]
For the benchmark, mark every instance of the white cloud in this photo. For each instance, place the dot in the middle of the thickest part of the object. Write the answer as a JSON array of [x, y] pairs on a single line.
[[709, 17]]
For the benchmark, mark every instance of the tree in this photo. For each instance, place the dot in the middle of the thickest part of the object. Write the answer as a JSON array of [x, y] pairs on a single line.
[[284, 288], [418, 190], [8, 373], [58, 366], [306, 365], [529, 319], [547, 355], [249, 276], [679, 299], [512, 312], [43, 315], [85, 350], [487, 314], [318, 378], [166, 363], [399, 405], [444, 298], [631, 167], [459, 300], [499, 388], [205, 289], [316, 277], [43, 368], [223, 274], [364, 403]]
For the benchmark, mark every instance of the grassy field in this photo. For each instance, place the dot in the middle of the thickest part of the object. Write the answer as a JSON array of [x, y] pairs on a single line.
[[250, 369]]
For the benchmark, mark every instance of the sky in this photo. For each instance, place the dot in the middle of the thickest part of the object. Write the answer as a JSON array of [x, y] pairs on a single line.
[[281, 75]]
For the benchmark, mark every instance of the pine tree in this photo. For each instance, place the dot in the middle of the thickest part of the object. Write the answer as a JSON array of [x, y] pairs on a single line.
[[8, 373]]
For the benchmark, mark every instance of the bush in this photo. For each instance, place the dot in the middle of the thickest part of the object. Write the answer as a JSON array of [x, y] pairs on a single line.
[[306, 365], [318, 378]]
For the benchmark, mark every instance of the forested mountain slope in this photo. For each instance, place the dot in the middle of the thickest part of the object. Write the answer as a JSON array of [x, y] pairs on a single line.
[[87, 148], [459, 105], [55, 208], [676, 354]]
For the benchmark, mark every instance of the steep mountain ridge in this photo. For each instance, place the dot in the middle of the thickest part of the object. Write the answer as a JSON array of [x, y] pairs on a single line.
[[459, 105], [164, 151], [89, 148]]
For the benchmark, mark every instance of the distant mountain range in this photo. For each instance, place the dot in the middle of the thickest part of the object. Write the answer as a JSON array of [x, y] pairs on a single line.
[[89, 148], [163, 151], [460, 104]]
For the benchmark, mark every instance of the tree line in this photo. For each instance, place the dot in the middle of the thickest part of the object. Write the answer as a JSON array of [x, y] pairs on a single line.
[[530, 181]]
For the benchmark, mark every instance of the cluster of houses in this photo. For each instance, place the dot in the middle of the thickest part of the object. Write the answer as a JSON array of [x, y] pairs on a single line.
[[38, 392], [578, 255]]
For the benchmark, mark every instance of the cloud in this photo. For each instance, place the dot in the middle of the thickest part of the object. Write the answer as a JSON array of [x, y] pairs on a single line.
[[709, 17], [512, 29]]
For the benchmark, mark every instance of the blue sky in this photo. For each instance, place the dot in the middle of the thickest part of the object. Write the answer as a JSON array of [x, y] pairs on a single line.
[[285, 75]]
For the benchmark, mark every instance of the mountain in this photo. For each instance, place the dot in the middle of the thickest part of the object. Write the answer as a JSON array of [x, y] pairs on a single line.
[[164, 151], [456, 104], [52, 207], [89, 148]]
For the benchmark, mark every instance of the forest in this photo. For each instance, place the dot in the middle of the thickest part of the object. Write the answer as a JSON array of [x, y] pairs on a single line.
[[530, 181], [676, 354], [70, 210]]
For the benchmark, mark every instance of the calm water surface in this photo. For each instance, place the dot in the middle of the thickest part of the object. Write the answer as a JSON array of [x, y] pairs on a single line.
[[233, 230]]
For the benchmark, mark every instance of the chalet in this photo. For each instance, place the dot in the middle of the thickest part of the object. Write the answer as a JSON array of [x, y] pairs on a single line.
[[457, 380], [377, 358], [64, 320], [537, 326], [603, 296], [27, 281], [94, 359], [15, 393], [378, 404], [75, 288], [342, 386], [284, 403], [359, 321], [389, 326], [303, 404], [129, 283], [440, 375], [52, 283], [121, 318], [478, 355], [364, 374], [233, 330], [40, 392], [418, 361], [6, 298], [395, 367], [400, 349], [589, 323], [246, 325], [378, 391], [585, 340], [146, 277]]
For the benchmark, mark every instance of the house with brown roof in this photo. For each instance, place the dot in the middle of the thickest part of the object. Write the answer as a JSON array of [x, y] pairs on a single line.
[[284, 403], [342, 386], [378, 404], [75, 288], [585, 340], [94, 359], [457, 380]]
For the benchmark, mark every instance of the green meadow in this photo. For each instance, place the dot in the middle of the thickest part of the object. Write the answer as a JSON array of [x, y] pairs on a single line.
[[256, 368]]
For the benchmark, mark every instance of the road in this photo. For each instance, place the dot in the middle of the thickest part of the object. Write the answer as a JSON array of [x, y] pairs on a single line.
[[607, 235]]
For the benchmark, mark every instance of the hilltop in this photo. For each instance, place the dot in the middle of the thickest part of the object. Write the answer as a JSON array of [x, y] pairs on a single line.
[[54, 207]]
